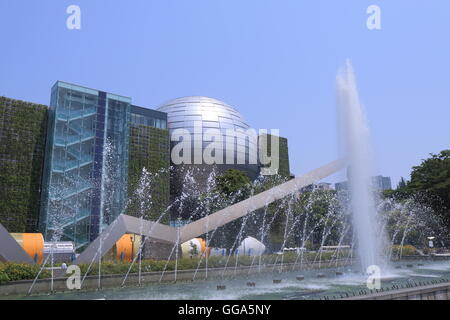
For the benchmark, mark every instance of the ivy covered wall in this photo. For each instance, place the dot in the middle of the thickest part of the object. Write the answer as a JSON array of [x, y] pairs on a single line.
[[149, 148], [284, 158], [284, 168], [22, 145]]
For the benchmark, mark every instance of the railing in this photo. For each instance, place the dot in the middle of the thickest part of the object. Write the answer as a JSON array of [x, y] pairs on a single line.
[[71, 188], [66, 221], [68, 114], [67, 140], [69, 165]]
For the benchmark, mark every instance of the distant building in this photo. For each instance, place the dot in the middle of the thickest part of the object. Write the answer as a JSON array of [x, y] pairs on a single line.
[[341, 186], [379, 183], [318, 186], [382, 183]]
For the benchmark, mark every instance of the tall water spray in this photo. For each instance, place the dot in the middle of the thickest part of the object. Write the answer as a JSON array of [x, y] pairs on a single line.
[[355, 143]]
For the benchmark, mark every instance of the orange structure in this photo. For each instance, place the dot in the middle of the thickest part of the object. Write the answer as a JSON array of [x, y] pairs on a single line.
[[32, 244], [127, 247]]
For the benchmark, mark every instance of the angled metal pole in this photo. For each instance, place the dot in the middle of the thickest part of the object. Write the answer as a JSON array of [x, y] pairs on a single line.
[[127, 224], [10, 250], [258, 201], [122, 225]]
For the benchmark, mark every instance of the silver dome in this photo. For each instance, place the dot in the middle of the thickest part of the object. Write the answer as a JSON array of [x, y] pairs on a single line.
[[212, 113], [184, 113]]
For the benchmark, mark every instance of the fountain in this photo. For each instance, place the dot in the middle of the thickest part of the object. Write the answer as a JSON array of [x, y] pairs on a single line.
[[311, 222], [355, 143]]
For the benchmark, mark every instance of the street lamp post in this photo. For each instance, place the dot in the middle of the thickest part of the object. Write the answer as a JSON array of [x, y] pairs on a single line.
[[430, 243]]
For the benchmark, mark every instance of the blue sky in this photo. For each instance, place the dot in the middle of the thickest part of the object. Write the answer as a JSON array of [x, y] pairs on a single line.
[[275, 61]]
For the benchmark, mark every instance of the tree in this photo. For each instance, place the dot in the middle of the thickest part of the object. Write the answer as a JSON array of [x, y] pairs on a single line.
[[402, 183], [233, 181], [231, 187], [432, 177], [429, 185]]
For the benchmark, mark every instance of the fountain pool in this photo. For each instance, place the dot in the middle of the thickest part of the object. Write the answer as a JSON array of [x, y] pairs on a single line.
[[330, 286]]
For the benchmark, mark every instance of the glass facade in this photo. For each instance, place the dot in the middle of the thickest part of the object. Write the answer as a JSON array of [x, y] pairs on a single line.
[[151, 120], [85, 174]]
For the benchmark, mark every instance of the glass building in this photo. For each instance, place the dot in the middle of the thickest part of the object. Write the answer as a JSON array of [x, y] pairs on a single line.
[[382, 183], [86, 163], [379, 183], [147, 117]]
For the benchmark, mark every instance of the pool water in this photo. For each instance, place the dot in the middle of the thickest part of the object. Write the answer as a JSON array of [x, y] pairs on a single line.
[[312, 287]]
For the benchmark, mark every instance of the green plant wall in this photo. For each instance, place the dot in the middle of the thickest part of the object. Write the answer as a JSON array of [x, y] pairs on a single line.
[[284, 169], [149, 148], [22, 145]]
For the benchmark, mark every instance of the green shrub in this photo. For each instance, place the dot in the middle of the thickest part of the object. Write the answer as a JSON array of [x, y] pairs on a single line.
[[16, 272], [407, 250], [4, 277]]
